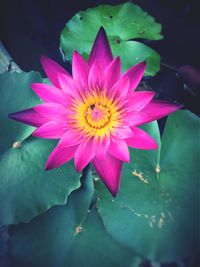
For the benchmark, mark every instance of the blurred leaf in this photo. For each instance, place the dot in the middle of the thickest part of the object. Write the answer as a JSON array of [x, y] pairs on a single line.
[[156, 211], [122, 23], [68, 235], [26, 189]]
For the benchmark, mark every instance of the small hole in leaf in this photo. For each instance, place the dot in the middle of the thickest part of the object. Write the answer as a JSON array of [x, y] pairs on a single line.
[[117, 40], [81, 18], [110, 17]]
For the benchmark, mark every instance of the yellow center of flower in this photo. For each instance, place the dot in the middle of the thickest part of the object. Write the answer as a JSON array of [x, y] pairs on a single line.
[[95, 115]]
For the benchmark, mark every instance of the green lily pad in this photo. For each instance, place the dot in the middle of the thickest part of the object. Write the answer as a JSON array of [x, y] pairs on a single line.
[[16, 95], [68, 235], [122, 23], [158, 199], [26, 189]]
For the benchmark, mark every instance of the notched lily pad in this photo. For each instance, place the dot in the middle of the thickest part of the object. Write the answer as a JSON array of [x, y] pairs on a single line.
[[68, 235], [26, 189], [122, 23], [159, 195]]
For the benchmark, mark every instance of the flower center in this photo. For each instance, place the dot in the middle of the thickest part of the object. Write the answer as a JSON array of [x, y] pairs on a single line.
[[95, 115]]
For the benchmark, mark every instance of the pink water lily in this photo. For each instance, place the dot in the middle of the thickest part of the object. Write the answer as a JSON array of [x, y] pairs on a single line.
[[95, 112]]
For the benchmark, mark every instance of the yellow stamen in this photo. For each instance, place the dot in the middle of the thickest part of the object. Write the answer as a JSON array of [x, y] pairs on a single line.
[[96, 115]]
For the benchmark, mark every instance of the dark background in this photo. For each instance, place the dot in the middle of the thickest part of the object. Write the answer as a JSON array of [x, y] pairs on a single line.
[[29, 28]]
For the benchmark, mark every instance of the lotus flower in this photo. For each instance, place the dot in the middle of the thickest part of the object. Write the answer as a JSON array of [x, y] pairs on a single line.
[[95, 112]]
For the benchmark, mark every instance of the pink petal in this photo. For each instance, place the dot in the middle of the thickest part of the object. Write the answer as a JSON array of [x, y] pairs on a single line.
[[70, 138], [119, 149], [51, 130], [135, 74], [141, 140], [29, 116], [112, 73], [122, 132], [109, 169], [101, 50], [59, 156], [80, 69], [52, 111], [153, 111], [52, 69], [101, 145], [138, 100], [48, 93], [68, 85], [83, 155], [121, 87], [96, 76]]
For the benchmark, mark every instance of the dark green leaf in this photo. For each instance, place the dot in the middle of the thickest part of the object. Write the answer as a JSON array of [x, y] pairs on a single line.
[[26, 189], [68, 235], [158, 199]]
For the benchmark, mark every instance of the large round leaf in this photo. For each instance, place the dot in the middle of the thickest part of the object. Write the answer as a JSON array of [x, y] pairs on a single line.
[[122, 23], [26, 189], [68, 235], [158, 199]]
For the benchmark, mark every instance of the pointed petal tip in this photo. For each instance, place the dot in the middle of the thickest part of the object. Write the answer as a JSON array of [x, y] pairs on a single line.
[[141, 140], [179, 106], [155, 146], [51, 69], [109, 170], [75, 53], [43, 58], [49, 164], [10, 116], [142, 65], [174, 107], [34, 87], [102, 30], [28, 116], [114, 193], [48, 167], [47, 62], [77, 168], [102, 33], [14, 116], [135, 74], [59, 156], [101, 49]]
